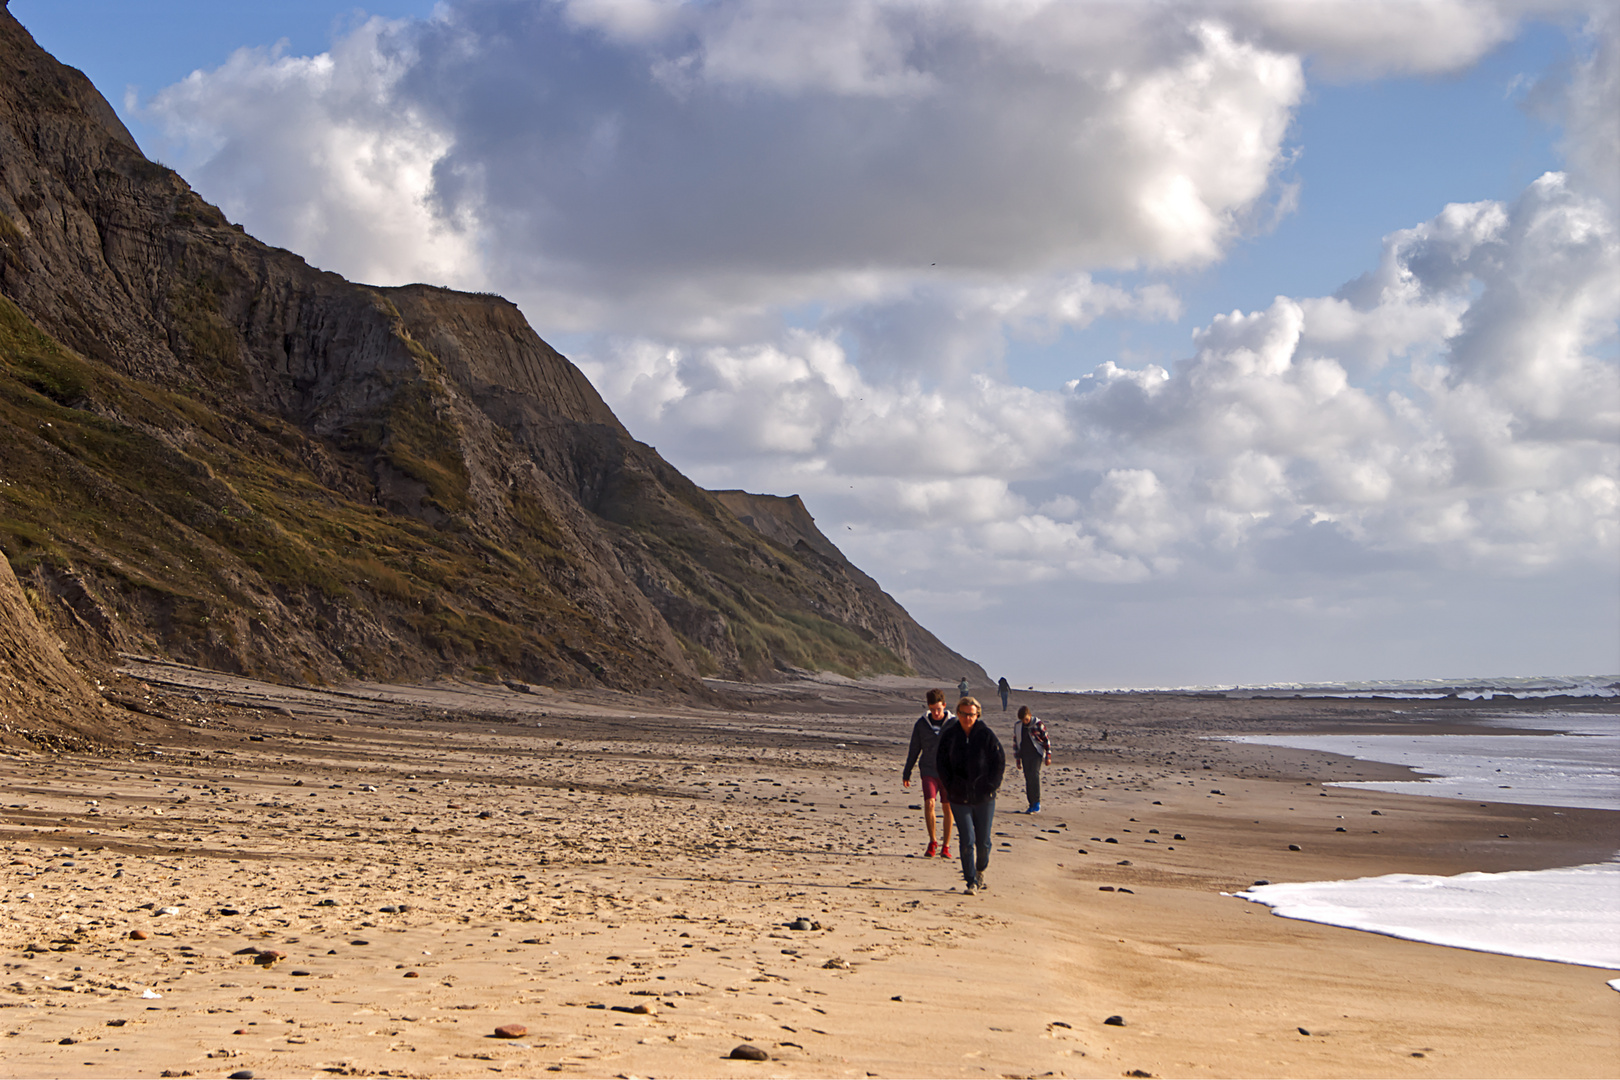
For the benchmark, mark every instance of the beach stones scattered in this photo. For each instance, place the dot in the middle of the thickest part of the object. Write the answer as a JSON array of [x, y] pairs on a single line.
[[1115, 1021], [511, 1031], [748, 1052]]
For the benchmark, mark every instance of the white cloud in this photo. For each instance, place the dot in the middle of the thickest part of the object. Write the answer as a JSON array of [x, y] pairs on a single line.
[[689, 169], [321, 151]]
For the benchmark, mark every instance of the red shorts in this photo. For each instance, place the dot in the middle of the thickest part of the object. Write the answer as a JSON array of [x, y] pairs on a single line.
[[932, 788]]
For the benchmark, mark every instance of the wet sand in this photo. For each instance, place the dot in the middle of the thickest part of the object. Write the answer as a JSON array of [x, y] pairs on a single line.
[[619, 877]]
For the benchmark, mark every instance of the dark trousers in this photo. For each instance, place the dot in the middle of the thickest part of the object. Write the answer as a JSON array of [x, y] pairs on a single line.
[[1032, 779], [974, 835]]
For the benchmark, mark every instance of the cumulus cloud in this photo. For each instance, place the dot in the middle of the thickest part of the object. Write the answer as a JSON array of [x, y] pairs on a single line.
[[319, 155], [688, 168], [1495, 449]]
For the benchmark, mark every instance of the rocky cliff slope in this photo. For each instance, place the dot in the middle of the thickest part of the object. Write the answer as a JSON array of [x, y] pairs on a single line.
[[210, 450]]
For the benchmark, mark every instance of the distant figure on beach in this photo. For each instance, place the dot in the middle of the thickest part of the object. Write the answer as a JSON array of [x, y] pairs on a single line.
[[1032, 748], [962, 688], [971, 765], [1005, 688], [923, 754]]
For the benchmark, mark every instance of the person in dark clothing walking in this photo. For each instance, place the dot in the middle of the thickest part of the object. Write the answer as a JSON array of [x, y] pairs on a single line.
[[971, 765], [1031, 749], [1005, 689], [924, 746]]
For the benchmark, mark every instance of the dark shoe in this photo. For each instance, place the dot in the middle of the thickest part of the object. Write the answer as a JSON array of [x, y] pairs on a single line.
[[978, 882]]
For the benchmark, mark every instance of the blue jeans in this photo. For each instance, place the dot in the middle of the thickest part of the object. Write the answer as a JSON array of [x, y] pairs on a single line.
[[973, 834]]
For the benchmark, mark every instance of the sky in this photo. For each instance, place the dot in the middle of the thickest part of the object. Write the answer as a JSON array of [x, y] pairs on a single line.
[[1126, 344]]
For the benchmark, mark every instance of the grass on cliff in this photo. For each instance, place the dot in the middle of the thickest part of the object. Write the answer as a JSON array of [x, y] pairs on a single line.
[[201, 528]]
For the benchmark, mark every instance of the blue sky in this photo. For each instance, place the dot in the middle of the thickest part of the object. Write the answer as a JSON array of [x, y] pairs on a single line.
[[721, 212]]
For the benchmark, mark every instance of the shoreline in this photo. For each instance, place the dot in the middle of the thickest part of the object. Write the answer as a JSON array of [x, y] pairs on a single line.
[[556, 852]]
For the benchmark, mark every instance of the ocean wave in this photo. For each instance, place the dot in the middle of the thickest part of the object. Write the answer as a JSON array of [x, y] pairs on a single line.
[[1522, 688]]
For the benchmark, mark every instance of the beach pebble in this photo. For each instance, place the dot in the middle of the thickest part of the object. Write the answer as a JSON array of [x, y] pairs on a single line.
[[1262, 881], [1178, 836], [511, 1031], [1339, 829], [747, 1052], [242, 1074], [1105, 888], [413, 975], [1115, 1021], [1377, 813], [266, 957], [240, 1031], [69, 1041], [138, 935], [168, 911], [1302, 1031], [1293, 847], [229, 911]]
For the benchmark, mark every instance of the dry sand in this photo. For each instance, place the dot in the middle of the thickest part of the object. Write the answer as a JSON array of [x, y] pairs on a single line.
[[618, 876]]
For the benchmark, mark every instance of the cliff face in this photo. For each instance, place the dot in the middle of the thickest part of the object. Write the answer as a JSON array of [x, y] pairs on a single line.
[[213, 451]]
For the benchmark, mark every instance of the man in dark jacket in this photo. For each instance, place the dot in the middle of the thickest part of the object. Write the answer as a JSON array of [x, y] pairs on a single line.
[[1032, 748], [971, 764], [924, 746]]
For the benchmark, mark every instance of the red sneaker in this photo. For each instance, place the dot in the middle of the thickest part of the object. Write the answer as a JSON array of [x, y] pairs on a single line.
[[932, 847], [945, 852]]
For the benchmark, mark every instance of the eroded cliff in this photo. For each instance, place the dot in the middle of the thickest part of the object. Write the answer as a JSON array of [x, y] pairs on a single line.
[[215, 452]]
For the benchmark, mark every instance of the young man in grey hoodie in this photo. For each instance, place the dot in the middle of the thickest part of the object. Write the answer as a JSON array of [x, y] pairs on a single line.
[[924, 742]]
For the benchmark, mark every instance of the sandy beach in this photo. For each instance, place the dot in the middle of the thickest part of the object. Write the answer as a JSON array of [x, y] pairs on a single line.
[[370, 881]]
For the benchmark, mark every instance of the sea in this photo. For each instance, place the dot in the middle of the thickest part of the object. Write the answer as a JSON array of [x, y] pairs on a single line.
[[1570, 914]]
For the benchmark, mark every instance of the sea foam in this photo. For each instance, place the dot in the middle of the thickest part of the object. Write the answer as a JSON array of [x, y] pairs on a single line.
[[1570, 915]]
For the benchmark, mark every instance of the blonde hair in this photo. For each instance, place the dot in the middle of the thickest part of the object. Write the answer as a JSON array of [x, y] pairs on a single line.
[[973, 701]]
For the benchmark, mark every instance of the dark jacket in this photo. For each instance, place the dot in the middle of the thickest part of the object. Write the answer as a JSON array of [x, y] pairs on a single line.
[[924, 744], [1030, 741], [971, 763]]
